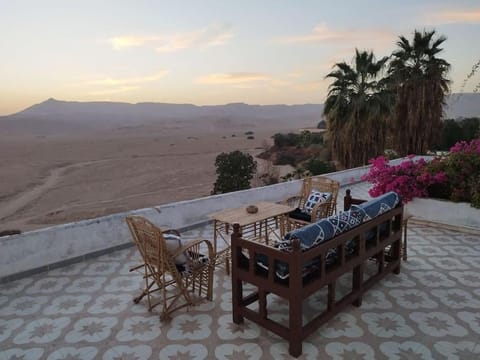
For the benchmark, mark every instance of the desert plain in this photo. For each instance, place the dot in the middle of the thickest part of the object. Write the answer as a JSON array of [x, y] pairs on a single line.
[[52, 174]]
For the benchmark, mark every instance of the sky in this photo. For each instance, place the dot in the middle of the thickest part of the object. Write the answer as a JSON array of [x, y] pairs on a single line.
[[209, 52]]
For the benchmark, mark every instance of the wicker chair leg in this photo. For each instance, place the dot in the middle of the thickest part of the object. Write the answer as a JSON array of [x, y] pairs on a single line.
[[145, 292], [210, 282]]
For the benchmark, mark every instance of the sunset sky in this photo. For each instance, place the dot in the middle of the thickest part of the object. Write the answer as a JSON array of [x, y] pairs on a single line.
[[210, 51]]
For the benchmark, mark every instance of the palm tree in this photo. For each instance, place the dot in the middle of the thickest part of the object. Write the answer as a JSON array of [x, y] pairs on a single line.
[[418, 79], [356, 109]]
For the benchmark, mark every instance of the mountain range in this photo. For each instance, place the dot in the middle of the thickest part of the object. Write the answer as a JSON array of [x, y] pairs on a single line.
[[56, 108], [55, 115]]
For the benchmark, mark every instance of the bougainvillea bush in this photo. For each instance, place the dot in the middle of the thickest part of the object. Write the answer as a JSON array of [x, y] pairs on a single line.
[[462, 167], [408, 179], [455, 176]]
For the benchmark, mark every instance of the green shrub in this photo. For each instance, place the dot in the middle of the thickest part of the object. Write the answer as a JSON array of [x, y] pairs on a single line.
[[283, 140], [308, 139], [285, 158], [318, 167], [476, 193], [234, 172]]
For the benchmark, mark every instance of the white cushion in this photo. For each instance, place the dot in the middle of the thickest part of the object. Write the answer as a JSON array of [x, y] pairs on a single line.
[[314, 198], [173, 243], [185, 263]]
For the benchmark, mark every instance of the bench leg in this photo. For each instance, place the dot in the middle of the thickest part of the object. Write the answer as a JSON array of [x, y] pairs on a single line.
[[295, 348], [397, 255], [237, 294], [404, 245], [396, 271], [295, 338], [357, 283]]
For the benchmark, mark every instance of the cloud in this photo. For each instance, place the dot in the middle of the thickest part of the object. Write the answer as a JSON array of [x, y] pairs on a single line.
[[121, 42], [233, 78], [322, 33], [454, 17], [118, 90], [244, 80], [127, 81], [213, 35], [109, 85]]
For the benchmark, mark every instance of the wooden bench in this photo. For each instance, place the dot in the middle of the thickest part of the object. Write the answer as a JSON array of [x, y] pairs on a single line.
[[348, 201], [378, 238]]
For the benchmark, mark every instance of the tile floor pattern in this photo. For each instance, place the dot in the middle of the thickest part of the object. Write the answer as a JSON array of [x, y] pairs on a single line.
[[85, 311]]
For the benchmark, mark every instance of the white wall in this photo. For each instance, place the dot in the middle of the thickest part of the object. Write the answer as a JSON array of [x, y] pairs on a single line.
[[41, 248], [444, 212]]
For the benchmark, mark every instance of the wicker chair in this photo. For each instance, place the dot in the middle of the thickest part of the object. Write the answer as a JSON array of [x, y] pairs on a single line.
[[163, 275], [149, 283], [321, 209]]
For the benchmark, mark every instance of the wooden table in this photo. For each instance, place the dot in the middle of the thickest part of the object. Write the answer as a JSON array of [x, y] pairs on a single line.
[[259, 226]]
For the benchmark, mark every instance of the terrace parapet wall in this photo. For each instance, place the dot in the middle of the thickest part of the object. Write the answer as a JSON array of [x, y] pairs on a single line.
[[40, 250]]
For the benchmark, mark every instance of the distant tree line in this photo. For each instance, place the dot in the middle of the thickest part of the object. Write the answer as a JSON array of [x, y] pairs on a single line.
[[305, 151], [454, 131], [304, 139]]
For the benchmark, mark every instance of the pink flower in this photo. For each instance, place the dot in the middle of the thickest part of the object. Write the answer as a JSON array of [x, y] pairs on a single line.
[[409, 178], [470, 147]]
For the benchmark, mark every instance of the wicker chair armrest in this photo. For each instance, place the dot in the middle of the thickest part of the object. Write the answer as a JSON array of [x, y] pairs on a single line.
[[173, 231], [290, 224], [194, 246], [292, 201], [321, 210]]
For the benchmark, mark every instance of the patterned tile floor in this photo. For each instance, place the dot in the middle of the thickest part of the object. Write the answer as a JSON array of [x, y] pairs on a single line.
[[85, 311]]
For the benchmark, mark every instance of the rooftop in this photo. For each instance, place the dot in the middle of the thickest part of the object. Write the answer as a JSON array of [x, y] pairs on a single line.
[[85, 311]]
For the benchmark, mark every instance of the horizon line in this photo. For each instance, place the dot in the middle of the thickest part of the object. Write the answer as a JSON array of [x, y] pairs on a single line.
[[190, 104]]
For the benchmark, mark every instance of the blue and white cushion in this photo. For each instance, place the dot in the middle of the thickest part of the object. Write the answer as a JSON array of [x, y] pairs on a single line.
[[325, 229], [322, 230], [314, 198], [377, 206]]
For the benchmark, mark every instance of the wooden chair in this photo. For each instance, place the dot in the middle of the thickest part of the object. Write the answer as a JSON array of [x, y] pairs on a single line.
[[321, 209], [163, 275]]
